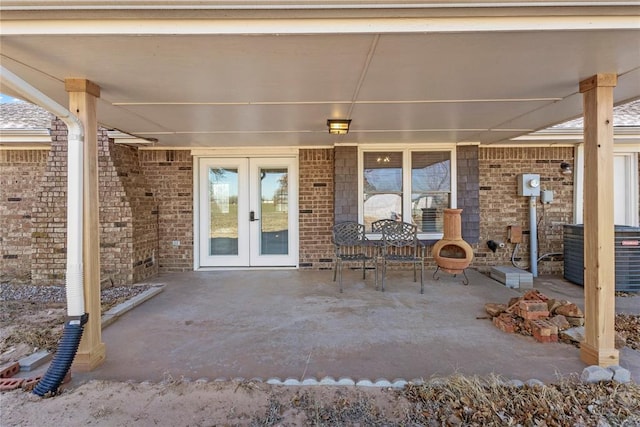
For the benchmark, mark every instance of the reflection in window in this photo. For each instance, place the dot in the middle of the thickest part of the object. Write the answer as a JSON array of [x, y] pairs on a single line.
[[274, 211], [223, 202], [430, 189], [382, 186]]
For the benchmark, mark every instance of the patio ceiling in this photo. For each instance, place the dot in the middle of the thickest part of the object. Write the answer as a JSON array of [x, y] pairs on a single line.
[[203, 81]]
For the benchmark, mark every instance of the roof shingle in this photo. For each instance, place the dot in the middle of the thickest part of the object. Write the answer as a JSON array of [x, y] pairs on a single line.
[[24, 115], [625, 115]]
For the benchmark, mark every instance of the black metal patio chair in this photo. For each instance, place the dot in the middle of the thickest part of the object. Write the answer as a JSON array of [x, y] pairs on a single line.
[[400, 244], [350, 245], [377, 226]]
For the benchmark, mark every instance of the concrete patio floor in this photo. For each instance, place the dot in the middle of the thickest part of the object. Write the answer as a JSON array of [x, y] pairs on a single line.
[[295, 324]]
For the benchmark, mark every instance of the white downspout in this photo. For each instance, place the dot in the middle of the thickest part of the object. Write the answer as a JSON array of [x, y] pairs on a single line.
[[74, 273]]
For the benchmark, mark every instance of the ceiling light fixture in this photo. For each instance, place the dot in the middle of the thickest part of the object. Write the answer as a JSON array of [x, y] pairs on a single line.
[[338, 126]]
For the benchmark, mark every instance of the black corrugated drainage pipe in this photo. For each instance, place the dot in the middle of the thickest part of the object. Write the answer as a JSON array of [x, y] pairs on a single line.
[[67, 348]]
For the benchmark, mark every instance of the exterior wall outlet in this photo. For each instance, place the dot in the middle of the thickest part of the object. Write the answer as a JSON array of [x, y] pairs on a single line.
[[515, 234], [546, 196], [175, 243]]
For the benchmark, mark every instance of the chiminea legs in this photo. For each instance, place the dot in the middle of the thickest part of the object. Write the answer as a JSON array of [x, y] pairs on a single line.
[[464, 272]]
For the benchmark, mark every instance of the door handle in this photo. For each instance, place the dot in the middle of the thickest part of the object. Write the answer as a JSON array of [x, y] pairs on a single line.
[[252, 216]]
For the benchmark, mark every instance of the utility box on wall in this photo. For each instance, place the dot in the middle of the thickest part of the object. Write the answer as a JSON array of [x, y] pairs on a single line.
[[528, 184], [546, 196]]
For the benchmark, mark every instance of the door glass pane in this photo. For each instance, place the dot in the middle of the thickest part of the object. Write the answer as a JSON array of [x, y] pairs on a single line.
[[430, 189], [223, 200], [274, 215], [382, 186]]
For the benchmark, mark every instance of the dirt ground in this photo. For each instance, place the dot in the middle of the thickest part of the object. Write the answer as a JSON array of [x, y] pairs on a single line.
[[32, 317], [204, 404], [453, 401]]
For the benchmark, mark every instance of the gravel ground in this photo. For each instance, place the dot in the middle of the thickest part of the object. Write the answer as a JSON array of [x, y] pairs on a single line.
[[32, 317], [56, 294]]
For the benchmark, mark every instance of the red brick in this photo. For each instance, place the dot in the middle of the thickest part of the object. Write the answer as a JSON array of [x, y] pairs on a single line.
[[31, 383], [7, 384], [10, 370], [532, 306], [535, 295], [545, 339], [532, 310], [544, 327], [544, 331], [505, 323], [512, 306], [533, 315]]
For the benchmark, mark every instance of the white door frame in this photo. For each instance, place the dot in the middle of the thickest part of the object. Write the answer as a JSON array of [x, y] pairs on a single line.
[[267, 154]]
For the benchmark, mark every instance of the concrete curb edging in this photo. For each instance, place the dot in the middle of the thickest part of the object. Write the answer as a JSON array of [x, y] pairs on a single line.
[[589, 374], [114, 313]]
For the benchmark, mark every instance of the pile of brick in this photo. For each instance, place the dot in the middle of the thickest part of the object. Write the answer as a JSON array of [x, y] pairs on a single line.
[[9, 381], [536, 315]]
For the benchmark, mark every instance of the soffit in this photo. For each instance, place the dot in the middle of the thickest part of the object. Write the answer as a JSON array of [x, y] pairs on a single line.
[[249, 89]]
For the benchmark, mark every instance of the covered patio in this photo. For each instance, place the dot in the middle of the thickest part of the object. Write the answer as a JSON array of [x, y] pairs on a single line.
[[292, 324], [202, 81]]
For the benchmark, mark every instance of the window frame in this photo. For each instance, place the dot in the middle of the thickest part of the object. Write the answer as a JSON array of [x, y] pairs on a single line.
[[406, 150], [631, 150]]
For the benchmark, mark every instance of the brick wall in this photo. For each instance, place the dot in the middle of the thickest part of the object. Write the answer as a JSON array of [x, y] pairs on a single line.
[[116, 230], [128, 226], [500, 206], [128, 216], [49, 216], [147, 204], [316, 206], [21, 173], [144, 207], [169, 175]]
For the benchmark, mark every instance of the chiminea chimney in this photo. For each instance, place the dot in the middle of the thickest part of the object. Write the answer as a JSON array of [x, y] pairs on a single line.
[[451, 253]]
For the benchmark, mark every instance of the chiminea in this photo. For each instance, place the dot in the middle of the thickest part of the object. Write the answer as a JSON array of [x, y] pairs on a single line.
[[451, 253]]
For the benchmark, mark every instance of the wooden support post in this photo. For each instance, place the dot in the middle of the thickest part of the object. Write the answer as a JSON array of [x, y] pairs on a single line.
[[598, 348], [83, 96]]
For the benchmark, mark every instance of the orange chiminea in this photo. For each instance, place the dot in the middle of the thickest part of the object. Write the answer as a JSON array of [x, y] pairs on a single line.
[[451, 253]]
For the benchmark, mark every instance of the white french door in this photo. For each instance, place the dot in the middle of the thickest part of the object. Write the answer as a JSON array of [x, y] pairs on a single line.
[[248, 209]]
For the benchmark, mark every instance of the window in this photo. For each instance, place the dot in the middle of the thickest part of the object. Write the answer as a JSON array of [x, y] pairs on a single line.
[[411, 185], [625, 187]]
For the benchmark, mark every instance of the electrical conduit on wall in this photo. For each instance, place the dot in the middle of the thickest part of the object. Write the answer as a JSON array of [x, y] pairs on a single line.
[[77, 317]]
